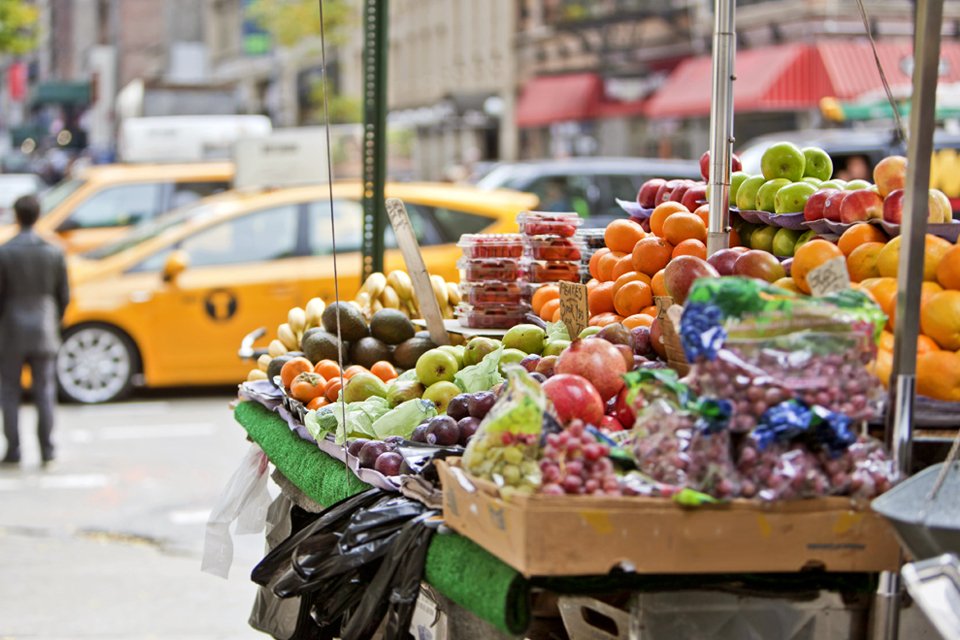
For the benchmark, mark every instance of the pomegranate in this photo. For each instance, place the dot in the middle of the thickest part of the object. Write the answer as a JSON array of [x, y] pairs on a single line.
[[681, 272], [574, 397], [596, 360]]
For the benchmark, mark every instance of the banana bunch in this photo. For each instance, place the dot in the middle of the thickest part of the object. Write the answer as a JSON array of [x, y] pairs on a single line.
[[395, 291], [289, 334]]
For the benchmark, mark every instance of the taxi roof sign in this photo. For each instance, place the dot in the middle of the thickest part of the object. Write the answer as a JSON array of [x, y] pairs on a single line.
[[286, 157]]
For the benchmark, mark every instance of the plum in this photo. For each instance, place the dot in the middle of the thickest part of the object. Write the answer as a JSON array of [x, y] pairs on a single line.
[[354, 446], [419, 433], [480, 403], [370, 451], [443, 431], [389, 463], [468, 426], [457, 408]]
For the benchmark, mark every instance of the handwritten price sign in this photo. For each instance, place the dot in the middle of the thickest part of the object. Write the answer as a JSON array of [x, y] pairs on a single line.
[[574, 309], [830, 277]]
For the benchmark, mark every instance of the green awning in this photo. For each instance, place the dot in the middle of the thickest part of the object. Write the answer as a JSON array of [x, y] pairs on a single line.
[[61, 93]]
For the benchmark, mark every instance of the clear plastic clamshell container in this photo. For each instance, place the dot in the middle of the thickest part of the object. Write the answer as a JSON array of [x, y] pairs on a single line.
[[484, 294], [592, 239], [492, 317], [553, 248], [545, 223], [486, 269], [494, 245], [550, 271]]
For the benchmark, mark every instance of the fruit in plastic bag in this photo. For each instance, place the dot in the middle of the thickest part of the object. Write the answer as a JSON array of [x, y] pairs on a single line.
[[864, 470]]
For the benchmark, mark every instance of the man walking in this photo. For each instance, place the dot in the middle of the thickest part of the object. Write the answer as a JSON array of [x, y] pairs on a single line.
[[34, 293]]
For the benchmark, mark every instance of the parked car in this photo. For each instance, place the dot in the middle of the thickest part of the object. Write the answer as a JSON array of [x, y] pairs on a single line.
[[169, 304], [586, 185], [102, 202], [856, 151]]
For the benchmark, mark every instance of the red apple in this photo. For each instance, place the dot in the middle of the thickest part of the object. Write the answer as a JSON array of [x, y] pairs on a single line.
[[890, 174], [813, 210], [831, 206], [663, 193], [735, 164], [893, 207], [681, 272], [611, 424], [677, 194], [691, 199], [861, 205], [648, 192], [758, 264], [723, 261]]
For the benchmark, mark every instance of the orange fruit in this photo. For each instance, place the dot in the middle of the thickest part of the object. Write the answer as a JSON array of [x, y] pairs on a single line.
[[926, 344], [935, 250], [882, 367], [884, 292], [651, 254], [938, 375], [608, 318], [556, 315], [329, 369], [632, 298], [316, 403], [948, 271], [810, 256], [292, 368], [691, 247], [384, 370], [860, 234], [862, 261], [600, 299], [637, 320], [703, 211], [595, 261], [332, 389], [549, 308], [657, 284], [353, 370], [544, 294], [734, 239], [684, 226], [927, 289], [651, 311], [940, 319], [788, 284], [622, 234], [663, 211], [624, 265], [630, 276], [886, 341], [606, 265]]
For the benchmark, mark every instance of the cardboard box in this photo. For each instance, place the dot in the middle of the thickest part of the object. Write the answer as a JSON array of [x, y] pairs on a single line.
[[579, 535]]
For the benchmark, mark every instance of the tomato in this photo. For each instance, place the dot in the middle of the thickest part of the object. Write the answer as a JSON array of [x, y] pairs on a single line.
[[293, 368], [307, 386], [384, 370]]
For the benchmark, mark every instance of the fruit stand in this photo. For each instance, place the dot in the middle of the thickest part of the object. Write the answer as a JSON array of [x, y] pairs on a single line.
[[679, 401]]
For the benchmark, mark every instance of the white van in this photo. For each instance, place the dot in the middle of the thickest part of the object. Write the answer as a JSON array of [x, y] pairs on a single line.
[[186, 138]]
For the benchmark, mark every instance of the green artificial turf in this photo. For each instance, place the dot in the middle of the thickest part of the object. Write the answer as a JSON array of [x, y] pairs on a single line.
[[456, 567]]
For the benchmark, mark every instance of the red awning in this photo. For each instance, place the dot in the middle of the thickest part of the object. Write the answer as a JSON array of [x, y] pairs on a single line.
[[577, 96], [781, 78], [853, 70]]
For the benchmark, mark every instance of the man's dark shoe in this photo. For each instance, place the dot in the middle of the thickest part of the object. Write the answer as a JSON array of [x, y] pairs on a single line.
[[48, 463], [10, 460]]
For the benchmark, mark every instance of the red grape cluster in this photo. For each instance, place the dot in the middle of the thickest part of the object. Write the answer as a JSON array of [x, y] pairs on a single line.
[[780, 473], [751, 392], [864, 470], [574, 462]]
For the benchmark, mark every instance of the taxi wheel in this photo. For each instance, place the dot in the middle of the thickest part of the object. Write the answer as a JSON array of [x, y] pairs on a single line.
[[96, 363]]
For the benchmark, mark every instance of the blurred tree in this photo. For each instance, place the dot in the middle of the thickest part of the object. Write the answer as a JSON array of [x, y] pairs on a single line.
[[17, 26], [343, 109], [290, 22]]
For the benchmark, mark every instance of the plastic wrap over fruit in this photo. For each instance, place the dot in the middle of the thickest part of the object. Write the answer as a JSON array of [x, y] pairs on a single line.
[[789, 420], [864, 470], [780, 472], [701, 331], [646, 385], [506, 447]]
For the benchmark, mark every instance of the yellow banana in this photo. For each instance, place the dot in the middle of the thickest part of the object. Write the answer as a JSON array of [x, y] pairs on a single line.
[[453, 294], [256, 374], [297, 319], [287, 336], [264, 361], [401, 283], [276, 348], [375, 306], [439, 289], [374, 285], [389, 298], [314, 311]]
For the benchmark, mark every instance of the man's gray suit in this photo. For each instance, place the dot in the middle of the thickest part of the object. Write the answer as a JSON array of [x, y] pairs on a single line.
[[34, 293]]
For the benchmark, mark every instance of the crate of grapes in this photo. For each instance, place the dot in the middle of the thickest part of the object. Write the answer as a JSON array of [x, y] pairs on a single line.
[[541, 535]]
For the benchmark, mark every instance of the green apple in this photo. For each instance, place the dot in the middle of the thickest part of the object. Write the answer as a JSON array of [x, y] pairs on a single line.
[[768, 192], [736, 179], [440, 394], [785, 241], [783, 160], [457, 351], [528, 338], [436, 365], [362, 386], [836, 183], [589, 331], [762, 238], [793, 197], [747, 193], [817, 163], [511, 356], [853, 185], [804, 238], [477, 349], [814, 181], [555, 347]]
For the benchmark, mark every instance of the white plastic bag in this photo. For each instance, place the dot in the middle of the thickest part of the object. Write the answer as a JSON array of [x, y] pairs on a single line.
[[244, 499]]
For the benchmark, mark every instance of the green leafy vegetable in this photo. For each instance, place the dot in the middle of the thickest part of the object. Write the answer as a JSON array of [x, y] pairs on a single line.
[[482, 376], [401, 420]]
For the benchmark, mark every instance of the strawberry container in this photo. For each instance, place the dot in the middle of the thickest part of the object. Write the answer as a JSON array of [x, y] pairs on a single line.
[[486, 269], [553, 248], [542, 223], [499, 245]]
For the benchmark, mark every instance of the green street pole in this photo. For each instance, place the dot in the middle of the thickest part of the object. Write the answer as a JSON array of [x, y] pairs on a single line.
[[375, 19]]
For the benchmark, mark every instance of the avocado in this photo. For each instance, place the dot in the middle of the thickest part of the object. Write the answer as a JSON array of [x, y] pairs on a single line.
[[321, 345], [352, 325], [368, 351], [407, 353], [273, 369], [391, 326], [309, 332]]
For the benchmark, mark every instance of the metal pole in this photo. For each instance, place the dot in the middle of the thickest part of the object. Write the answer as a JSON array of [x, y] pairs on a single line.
[[721, 124], [375, 19], [926, 54]]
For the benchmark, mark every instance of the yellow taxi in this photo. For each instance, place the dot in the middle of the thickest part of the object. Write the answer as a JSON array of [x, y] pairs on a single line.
[[102, 202], [168, 304]]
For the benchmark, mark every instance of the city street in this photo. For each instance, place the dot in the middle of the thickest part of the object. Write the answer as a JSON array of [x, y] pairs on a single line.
[[107, 544]]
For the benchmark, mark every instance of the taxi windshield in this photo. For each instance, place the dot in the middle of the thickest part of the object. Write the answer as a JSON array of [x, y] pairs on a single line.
[[150, 229], [50, 199]]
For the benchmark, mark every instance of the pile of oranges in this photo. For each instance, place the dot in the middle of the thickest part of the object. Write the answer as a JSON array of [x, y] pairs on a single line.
[[317, 385]]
